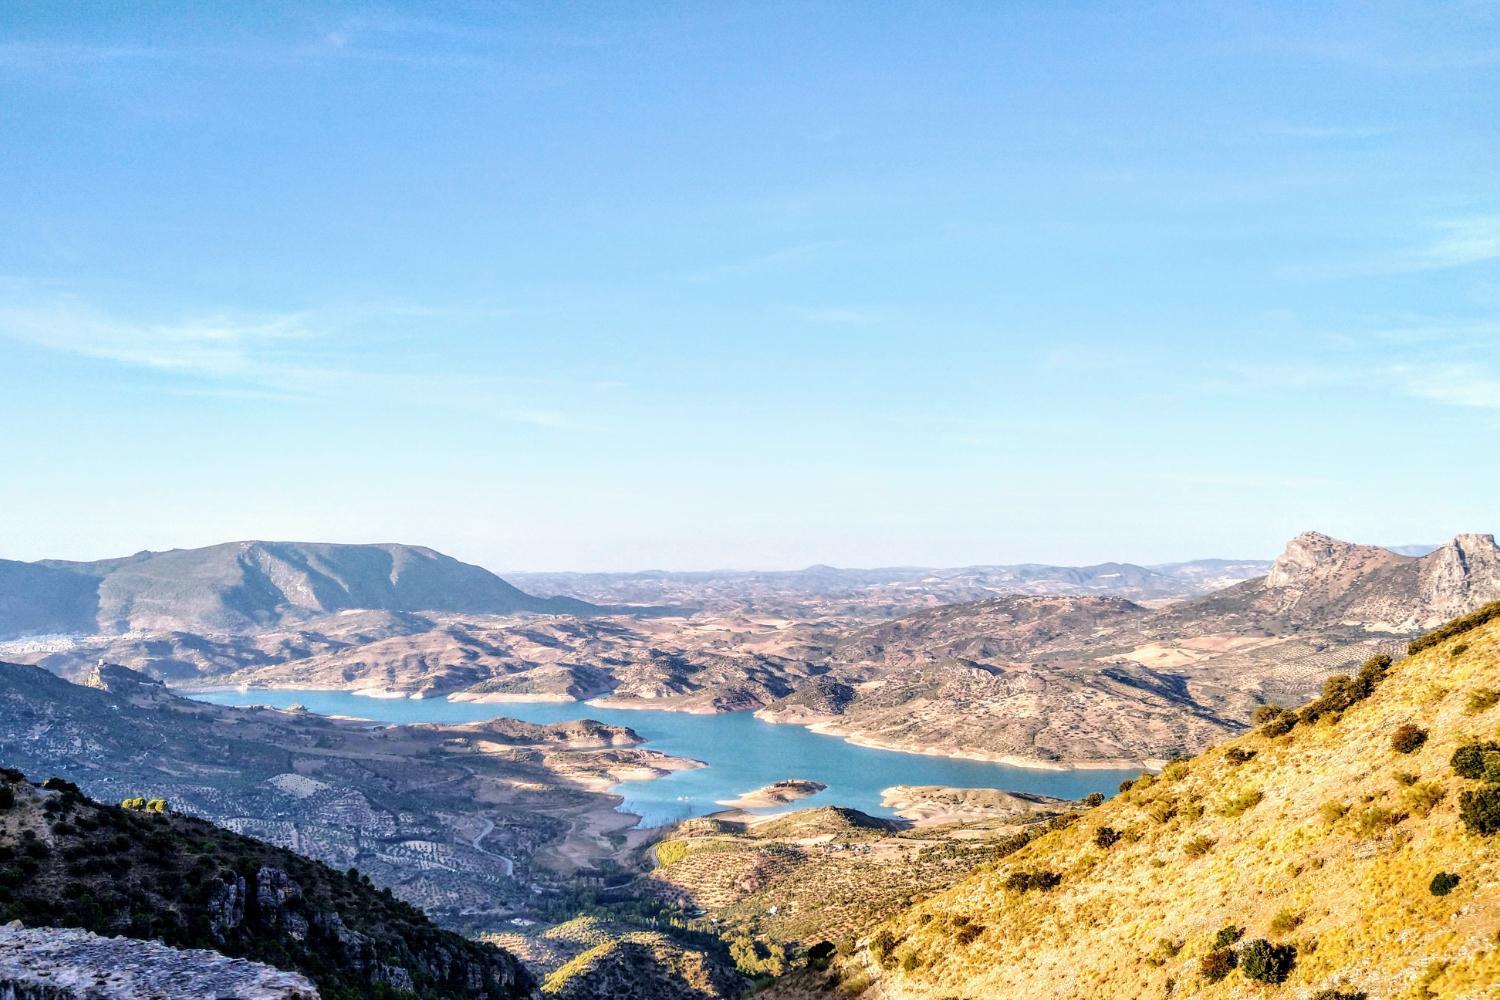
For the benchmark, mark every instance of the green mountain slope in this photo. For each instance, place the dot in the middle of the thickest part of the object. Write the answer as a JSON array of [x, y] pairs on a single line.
[[68, 861]]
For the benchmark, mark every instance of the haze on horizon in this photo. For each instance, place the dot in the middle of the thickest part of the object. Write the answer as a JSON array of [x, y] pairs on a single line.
[[749, 285]]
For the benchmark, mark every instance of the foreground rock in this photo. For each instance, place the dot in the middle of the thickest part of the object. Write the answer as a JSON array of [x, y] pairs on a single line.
[[44, 963]]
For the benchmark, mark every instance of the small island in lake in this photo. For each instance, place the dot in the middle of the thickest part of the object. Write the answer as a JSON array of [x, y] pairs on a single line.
[[776, 794]]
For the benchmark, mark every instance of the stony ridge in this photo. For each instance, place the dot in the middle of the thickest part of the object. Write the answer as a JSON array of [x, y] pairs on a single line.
[[38, 963]]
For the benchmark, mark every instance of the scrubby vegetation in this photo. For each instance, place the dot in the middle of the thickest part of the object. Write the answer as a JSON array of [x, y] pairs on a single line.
[[1322, 836], [1025, 881], [1458, 626], [1480, 810], [1408, 738], [1265, 962], [1443, 883], [1481, 700], [150, 874]]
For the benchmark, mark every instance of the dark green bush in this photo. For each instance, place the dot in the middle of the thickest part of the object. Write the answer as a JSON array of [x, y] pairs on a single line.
[[1228, 935], [1280, 725], [1106, 837], [1408, 738], [1468, 760], [1126, 785], [1265, 713], [1236, 756], [1023, 881], [1093, 799], [1457, 626], [1217, 964], [1443, 883], [1480, 810], [1341, 995], [1265, 962]]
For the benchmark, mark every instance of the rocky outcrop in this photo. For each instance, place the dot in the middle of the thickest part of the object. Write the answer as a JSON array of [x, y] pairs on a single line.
[[1314, 564], [1460, 576], [1322, 579], [44, 963]]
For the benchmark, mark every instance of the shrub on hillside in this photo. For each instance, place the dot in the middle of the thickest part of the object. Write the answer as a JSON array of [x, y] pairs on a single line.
[[1457, 626], [1481, 700], [1408, 738], [1468, 761], [1279, 725], [1265, 962], [1265, 713], [1480, 810], [1237, 804], [1198, 846], [1166, 949], [1106, 837], [1217, 964], [882, 943], [1332, 811], [1175, 770], [1341, 995], [1421, 799], [1443, 883], [1235, 756], [1162, 810], [1285, 922], [1127, 785], [1024, 881], [1093, 799], [1374, 819], [1228, 935]]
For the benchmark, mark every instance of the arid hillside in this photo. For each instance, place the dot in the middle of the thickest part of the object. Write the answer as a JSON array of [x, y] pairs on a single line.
[[1350, 847]]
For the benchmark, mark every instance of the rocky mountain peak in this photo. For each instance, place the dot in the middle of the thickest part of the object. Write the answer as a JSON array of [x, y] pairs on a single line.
[[1461, 575], [1314, 557]]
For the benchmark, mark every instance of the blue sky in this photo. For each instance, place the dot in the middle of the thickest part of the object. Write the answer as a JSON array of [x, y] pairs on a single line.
[[606, 286]]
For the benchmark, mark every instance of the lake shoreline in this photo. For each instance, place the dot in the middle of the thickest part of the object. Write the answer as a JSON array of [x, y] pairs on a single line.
[[823, 727]]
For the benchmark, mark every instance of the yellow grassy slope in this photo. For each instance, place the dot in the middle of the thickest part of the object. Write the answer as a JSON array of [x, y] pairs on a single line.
[[1134, 920]]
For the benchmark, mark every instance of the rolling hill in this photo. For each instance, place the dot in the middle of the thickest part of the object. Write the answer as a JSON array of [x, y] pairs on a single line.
[[1347, 851]]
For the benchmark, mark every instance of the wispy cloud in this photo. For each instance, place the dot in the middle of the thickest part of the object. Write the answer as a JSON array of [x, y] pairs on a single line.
[[1471, 385], [295, 355], [1453, 242], [216, 346], [1462, 241]]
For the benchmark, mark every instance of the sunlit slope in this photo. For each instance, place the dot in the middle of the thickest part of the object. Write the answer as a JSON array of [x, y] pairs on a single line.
[[1327, 840]]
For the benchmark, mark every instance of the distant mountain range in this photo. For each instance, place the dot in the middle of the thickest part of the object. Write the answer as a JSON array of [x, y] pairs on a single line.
[[893, 586], [240, 586], [1101, 678]]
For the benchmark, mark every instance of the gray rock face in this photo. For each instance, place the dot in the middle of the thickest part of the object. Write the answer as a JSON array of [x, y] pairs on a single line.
[[44, 963]]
